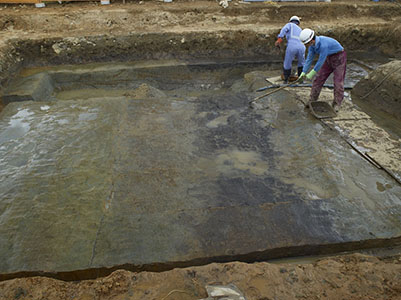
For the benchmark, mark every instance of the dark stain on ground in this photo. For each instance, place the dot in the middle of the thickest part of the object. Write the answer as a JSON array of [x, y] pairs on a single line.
[[241, 132], [259, 209]]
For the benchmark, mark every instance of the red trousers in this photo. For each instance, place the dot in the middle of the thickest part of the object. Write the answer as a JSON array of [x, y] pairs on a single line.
[[336, 64]]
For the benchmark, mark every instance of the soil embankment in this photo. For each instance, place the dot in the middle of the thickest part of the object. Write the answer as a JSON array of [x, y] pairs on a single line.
[[382, 88], [344, 277]]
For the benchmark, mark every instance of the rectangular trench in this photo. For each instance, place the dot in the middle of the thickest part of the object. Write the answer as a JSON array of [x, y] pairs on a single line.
[[151, 165]]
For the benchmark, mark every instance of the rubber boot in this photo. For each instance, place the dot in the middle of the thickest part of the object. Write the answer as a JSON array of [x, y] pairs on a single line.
[[300, 70], [287, 74]]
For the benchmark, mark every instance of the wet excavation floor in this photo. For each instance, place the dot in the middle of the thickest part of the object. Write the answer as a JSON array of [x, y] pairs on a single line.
[[153, 165]]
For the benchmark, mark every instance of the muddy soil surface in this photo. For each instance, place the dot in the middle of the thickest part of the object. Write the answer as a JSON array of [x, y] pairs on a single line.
[[245, 28]]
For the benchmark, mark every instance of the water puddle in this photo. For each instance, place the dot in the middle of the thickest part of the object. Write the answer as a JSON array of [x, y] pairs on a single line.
[[18, 126]]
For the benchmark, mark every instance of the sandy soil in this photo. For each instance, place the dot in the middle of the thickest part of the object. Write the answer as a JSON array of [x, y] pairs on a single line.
[[345, 277]]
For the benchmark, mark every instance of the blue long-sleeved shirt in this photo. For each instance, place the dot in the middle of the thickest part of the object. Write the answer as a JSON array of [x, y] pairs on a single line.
[[291, 32], [324, 46]]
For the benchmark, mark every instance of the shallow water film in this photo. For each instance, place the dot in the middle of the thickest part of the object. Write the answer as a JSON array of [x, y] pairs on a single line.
[[160, 163]]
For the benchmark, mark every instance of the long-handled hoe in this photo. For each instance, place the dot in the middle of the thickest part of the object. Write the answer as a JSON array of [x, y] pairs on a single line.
[[251, 103]]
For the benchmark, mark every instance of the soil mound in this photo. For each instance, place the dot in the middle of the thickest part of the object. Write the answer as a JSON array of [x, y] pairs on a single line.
[[382, 88], [145, 91]]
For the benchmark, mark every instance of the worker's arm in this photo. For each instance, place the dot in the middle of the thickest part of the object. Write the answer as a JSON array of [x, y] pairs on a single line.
[[309, 59], [282, 34], [322, 57], [278, 42]]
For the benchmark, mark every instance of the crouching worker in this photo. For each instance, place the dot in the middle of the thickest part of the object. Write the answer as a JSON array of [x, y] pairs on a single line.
[[294, 49], [332, 59]]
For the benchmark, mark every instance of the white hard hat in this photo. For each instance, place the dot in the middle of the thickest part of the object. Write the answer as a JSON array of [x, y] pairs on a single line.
[[306, 35], [295, 18]]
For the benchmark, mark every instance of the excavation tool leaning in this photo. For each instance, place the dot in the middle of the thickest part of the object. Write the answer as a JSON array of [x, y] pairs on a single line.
[[272, 92]]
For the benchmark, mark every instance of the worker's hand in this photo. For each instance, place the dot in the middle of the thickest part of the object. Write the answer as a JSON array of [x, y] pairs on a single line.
[[278, 42], [311, 74], [301, 77]]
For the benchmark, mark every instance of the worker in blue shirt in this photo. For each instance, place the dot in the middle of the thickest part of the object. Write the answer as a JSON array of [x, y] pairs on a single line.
[[295, 48], [332, 59]]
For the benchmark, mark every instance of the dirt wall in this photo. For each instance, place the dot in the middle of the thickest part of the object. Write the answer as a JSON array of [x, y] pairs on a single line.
[[233, 45], [84, 33], [382, 88]]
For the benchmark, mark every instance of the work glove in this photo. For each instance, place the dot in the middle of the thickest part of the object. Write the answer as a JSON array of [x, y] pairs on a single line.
[[311, 74], [278, 42], [301, 77]]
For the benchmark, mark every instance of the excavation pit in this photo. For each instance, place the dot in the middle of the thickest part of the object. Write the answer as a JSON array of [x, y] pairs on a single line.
[[152, 165]]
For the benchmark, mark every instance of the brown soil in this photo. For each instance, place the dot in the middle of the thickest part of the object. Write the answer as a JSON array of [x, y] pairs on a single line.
[[82, 32], [344, 277], [382, 88], [242, 28]]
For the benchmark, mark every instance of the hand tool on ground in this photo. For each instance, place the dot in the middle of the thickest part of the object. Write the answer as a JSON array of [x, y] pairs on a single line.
[[292, 84], [269, 93], [321, 110]]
